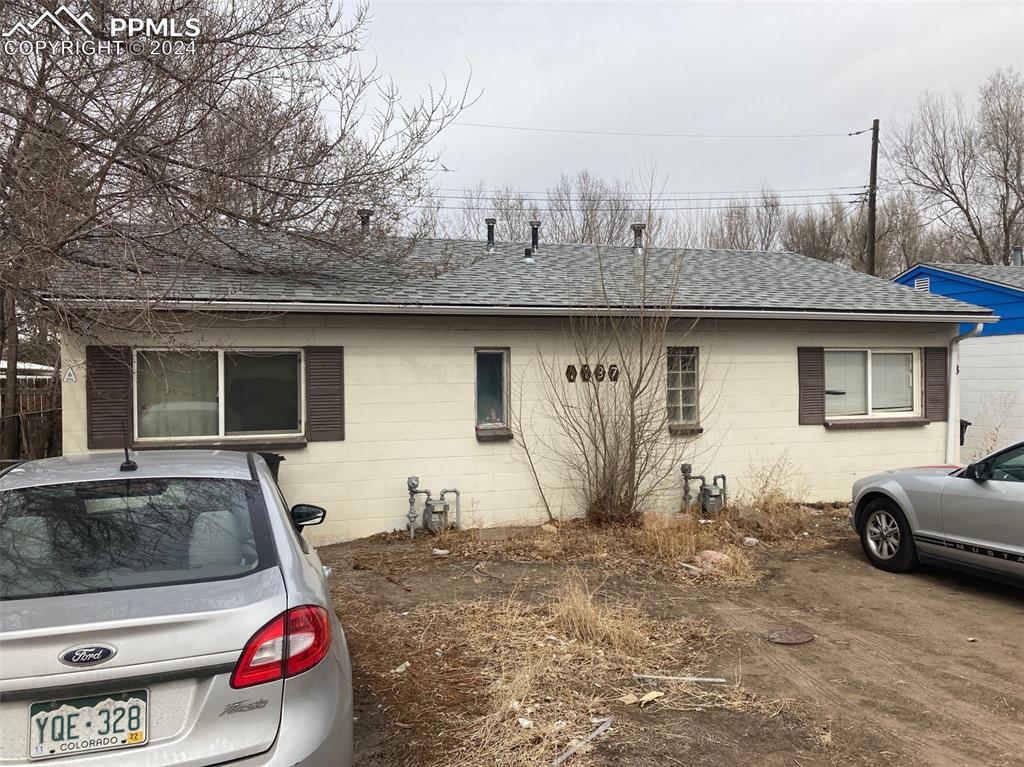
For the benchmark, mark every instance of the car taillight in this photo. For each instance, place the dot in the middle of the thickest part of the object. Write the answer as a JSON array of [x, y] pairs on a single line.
[[305, 632]]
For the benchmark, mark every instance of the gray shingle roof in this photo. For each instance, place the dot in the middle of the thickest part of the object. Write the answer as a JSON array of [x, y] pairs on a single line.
[[1010, 276], [563, 276]]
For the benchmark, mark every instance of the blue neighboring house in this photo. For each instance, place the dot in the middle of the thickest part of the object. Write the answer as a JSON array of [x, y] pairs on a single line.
[[992, 364]]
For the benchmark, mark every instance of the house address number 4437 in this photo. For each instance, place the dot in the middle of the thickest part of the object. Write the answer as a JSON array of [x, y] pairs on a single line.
[[586, 374]]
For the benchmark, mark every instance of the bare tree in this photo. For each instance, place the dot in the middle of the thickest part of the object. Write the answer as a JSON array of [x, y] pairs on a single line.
[[604, 391], [226, 129], [965, 167], [754, 224], [580, 208]]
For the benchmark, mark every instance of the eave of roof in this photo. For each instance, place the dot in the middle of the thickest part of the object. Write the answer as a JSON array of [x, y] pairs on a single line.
[[511, 310], [961, 275]]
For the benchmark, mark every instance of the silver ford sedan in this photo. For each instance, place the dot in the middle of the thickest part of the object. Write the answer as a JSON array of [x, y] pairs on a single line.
[[968, 517], [165, 610]]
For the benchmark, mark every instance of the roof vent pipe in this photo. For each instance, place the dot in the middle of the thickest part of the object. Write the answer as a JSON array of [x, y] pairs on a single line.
[[364, 219], [528, 256], [638, 237], [1018, 255], [535, 235], [490, 233]]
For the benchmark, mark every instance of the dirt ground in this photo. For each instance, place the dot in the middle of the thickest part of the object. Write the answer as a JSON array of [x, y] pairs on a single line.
[[918, 669]]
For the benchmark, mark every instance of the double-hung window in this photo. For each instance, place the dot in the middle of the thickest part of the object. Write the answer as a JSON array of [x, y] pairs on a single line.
[[682, 387], [220, 393], [870, 382]]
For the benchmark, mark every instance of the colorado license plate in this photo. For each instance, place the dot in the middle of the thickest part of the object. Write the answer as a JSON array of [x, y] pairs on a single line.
[[87, 725]]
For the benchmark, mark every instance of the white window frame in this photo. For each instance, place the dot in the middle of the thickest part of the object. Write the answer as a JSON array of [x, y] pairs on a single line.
[[506, 355], [696, 386], [917, 385], [221, 436]]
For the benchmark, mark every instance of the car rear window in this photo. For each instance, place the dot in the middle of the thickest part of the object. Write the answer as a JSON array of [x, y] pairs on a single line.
[[85, 537]]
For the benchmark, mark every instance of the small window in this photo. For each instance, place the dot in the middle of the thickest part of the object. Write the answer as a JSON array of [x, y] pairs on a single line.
[[923, 284], [864, 382], [682, 390], [492, 388], [217, 393]]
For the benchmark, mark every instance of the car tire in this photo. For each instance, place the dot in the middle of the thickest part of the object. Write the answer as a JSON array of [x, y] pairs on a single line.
[[886, 537]]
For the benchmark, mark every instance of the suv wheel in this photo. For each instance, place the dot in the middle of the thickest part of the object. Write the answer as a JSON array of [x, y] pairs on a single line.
[[886, 537]]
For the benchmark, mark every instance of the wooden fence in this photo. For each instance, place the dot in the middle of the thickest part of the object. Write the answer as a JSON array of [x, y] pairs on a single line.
[[38, 420]]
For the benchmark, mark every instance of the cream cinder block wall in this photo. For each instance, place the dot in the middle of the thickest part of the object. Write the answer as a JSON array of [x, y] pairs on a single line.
[[409, 410], [992, 392]]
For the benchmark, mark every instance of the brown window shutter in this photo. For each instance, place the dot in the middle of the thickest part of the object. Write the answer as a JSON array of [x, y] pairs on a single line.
[[108, 395], [325, 393], [810, 363], [936, 383]]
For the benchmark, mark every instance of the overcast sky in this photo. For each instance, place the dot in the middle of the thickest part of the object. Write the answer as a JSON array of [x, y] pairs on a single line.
[[680, 67]]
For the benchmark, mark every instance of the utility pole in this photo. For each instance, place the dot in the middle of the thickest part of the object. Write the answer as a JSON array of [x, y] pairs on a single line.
[[872, 198]]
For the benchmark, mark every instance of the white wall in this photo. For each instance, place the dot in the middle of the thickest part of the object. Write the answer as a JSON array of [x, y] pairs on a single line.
[[992, 392], [409, 387]]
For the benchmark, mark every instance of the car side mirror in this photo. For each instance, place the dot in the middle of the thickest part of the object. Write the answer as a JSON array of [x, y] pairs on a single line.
[[304, 514], [979, 472]]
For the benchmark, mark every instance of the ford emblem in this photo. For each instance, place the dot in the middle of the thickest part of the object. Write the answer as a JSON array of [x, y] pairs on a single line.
[[88, 655]]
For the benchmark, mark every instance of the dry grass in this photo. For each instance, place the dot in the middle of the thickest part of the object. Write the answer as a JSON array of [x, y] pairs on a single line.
[[662, 545], [578, 617], [771, 509], [513, 681], [496, 683]]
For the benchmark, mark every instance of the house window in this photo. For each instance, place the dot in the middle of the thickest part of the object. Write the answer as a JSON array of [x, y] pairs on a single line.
[[217, 393], [682, 388], [492, 388], [863, 382]]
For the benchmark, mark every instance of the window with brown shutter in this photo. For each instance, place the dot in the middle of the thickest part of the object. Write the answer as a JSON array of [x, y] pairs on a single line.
[[936, 383], [325, 393], [108, 395], [861, 388], [811, 376]]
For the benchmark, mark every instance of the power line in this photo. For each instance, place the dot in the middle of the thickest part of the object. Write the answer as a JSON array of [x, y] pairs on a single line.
[[654, 207], [661, 195], [651, 199], [643, 134]]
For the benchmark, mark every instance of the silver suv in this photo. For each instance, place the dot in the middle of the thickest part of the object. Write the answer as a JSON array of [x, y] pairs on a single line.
[[165, 613]]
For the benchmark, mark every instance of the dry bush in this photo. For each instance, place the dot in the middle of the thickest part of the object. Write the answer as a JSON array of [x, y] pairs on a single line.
[[575, 613], [655, 548], [771, 509], [661, 545], [670, 538]]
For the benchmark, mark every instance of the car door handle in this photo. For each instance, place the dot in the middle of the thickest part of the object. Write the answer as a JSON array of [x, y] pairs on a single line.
[[328, 570]]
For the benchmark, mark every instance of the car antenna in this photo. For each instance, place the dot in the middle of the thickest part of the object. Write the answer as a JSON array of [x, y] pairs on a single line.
[[129, 464]]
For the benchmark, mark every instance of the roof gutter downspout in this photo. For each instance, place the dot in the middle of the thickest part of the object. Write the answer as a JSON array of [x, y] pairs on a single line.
[[953, 392]]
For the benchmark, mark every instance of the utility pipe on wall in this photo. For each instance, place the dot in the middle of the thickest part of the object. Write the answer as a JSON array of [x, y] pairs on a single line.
[[458, 504], [953, 393]]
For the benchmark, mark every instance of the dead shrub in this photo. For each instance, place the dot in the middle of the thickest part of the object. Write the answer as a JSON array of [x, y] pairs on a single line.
[[771, 510], [669, 538], [655, 548], [577, 615]]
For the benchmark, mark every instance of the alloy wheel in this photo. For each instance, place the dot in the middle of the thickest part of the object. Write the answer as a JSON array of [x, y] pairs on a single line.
[[883, 534]]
